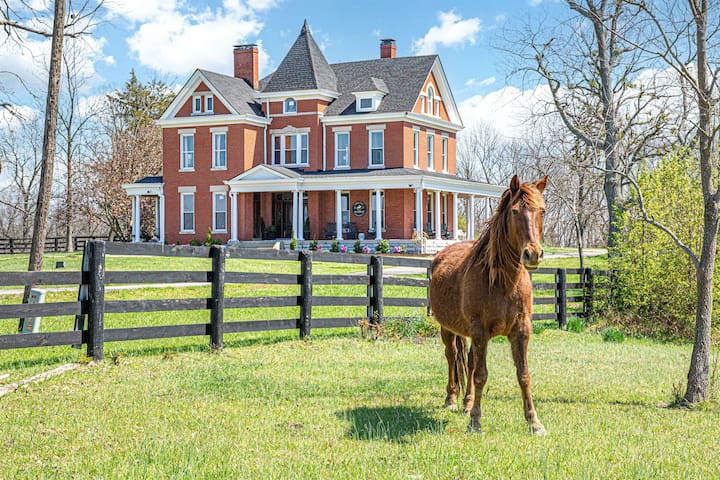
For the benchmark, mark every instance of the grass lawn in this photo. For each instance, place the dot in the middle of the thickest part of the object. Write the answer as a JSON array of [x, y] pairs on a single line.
[[270, 406]]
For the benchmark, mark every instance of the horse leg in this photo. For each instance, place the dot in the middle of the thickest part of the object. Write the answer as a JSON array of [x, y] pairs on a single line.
[[470, 387], [448, 339], [480, 374], [519, 346]]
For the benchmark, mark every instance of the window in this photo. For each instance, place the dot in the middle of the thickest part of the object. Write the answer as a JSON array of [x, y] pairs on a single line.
[[209, 104], [444, 154], [219, 212], [219, 150], [290, 106], [437, 107], [430, 151], [430, 100], [430, 211], [416, 147], [290, 150], [377, 148], [345, 208], [187, 152], [197, 104], [366, 103], [373, 212], [187, 219], [342, 149]]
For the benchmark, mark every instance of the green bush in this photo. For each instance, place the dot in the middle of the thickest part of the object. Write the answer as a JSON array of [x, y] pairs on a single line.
[[575, 324], [335, 246], [357, 246], [382, 246], [612, 335], [653, 286], [195, 242], [293, 244]]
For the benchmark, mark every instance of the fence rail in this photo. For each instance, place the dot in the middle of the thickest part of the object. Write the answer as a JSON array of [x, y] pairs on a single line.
[[52, 244], [569, 298]]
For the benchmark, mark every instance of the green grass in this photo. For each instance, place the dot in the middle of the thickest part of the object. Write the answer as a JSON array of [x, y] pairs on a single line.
[[343, 407]]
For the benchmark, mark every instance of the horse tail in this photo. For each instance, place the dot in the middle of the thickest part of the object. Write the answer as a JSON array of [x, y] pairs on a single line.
[[461, 362]]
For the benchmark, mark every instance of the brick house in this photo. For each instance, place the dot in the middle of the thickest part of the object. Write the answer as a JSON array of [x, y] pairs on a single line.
[[369, 145]]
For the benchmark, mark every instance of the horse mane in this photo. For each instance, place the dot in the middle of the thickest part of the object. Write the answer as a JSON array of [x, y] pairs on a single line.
[[492, 250]]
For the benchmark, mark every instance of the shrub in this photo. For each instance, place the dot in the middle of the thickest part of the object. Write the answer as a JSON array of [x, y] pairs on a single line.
[[335, 246], [293, 244], [357, 247], [315, 246], [209, 240], [397, 328], [575, 324], [195, 243], [612, 335], [653, 286], [382, 246]]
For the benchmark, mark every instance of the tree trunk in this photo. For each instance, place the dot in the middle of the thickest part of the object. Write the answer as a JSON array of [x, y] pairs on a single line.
[[48, 155], [69, 198]]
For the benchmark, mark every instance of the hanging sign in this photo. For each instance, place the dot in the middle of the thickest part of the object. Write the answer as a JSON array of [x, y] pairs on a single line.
[[359, 209]]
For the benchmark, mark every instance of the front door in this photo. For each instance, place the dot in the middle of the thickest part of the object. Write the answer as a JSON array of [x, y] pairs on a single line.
[[282, 214]]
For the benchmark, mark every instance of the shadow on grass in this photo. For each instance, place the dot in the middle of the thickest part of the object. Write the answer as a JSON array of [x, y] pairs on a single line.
[[394, 424]]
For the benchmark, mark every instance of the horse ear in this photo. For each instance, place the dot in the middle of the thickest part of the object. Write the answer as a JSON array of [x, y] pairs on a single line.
[[542, 183], [514, 184]]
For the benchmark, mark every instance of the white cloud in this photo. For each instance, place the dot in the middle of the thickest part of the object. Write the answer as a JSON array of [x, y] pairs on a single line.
[[140, 10], [474, 82], [453, 31], [508, 110], [535, 3], [182, 40]]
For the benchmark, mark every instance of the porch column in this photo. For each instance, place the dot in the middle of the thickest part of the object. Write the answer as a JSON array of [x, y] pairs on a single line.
[[300, 234], [161, 221], [418, 212], [338, 215], [378, 215], [455, 216], [136, 218], [233, 217], [295, 214], [438, 216], [471, 218]]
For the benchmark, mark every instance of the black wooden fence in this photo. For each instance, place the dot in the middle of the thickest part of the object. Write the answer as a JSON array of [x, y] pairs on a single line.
[[52, 244], [94, 277]]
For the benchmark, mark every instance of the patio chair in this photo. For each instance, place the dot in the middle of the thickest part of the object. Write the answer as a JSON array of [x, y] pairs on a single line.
[[331, 231]]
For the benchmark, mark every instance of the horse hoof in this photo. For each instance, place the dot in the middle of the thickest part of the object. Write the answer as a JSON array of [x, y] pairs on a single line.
[[538, 430], [451, 406], [474, 428]]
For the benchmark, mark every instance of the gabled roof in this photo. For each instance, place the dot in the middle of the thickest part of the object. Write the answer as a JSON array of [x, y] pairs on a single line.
[[265, 173], [236, 91], [303, 68], [402, 77]]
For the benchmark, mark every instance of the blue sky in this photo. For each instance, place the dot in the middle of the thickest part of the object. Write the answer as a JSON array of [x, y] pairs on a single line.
[[168, 39]]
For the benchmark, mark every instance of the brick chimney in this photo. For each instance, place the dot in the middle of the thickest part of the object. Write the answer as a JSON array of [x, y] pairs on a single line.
[[387, 48], [246, 64]]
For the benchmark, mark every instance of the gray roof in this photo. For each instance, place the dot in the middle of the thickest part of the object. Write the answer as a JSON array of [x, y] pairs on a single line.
[[236, 91], [152, 179], [303, 68], [402, 77], [381, 172]]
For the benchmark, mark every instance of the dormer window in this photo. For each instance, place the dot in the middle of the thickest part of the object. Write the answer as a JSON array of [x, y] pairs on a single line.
[[366, 103], [202, 104], [209, 104], [290, 106], [197, 104]]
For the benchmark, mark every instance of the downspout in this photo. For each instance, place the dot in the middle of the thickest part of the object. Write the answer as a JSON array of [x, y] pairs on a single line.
[[324, 145], [265, 137]]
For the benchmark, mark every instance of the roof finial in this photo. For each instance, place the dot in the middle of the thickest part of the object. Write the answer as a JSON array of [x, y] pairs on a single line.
[[305, 28]]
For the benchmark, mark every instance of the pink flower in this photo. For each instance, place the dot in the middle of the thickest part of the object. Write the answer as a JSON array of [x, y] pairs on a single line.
[[366, 249], [343, 249]]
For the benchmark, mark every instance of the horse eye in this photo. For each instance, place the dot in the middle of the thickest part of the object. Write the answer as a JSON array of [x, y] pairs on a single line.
[[514, 211]]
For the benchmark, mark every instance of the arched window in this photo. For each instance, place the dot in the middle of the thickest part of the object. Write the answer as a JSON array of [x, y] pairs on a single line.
[[290, 106], [431, 100]]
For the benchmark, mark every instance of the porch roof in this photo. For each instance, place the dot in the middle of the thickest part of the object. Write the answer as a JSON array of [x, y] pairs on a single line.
[[273, 178], [152, 185]]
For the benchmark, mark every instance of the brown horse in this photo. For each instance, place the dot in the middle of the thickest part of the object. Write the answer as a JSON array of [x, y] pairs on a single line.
[[482, 289]]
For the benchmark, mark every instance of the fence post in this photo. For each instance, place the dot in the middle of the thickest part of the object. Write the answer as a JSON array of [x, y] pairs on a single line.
[[217, 296], [588, 293], [561, 296], [96, 299], [12, 245], [305, 293], [376, 290]]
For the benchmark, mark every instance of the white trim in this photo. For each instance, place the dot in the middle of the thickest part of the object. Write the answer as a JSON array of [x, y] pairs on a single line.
[[183, 230], [347, 158], [410, 117], [213, 165], [186, 131], [218, 129], [184, 153], [218, 188], [195, 98], [212, 100], [319, 93], [346, 128], [285, 104], [191, 189], [298, 114], [416, 147], [224, 119], [370, 147], [444, 153], [375, 127], [289, 130], [298, 149], [373, 225], [186, 92], [430, 152], [143, 188]]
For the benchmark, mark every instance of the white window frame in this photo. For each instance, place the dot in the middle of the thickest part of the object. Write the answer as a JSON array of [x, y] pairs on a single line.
[[346, 165], [437, 106], [298, 149], [345, 209], [209, 104], [431, 100], [197, 102], [444, 153], [372, 210], [215, 211], [431, 151], [380, 131], [285, 105], [416, 147], [183, 228], [185, 155], [216, 151]]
